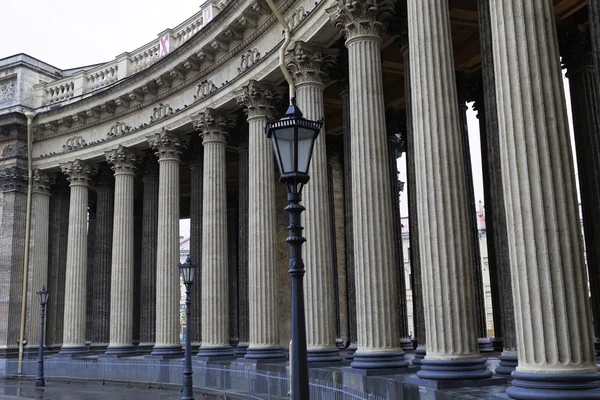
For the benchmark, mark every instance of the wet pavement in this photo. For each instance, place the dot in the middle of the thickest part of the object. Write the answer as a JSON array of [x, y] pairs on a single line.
[[12, 389]]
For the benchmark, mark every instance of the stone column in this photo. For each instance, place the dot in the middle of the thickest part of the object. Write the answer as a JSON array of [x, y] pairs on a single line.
[[441, 189], [78, 174], [555, 341], [149, 250], [138, 232], [258, 101], [215, 282], [167, 345], [123, 162], [375, 272], [495, 214], [310, 66], [105, 198], [243, 274], [196, 177], [394, 141], [39, 251], [232, 262], [594, 12], [577, 56], [57, 250], [485, 345], [91, 244]]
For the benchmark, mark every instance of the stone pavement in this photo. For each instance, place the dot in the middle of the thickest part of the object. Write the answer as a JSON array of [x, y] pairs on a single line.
[[12, 389]]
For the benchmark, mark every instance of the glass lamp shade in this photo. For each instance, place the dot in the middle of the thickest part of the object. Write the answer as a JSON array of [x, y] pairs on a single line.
[[188, 271], [43, 293]]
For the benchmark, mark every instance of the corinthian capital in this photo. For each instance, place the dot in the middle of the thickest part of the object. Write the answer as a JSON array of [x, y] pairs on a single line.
[[212, 126], [361, 17], [122, 160], [166, 145], [258, 99], [41, 182], [311, 63], [77, 172]]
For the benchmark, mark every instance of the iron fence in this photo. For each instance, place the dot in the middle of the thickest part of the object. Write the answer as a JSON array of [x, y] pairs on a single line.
[[230, 381]]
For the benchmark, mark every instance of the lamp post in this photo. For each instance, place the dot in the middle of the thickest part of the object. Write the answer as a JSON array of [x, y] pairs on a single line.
[[187, 270], [39, 379], [293, 138]]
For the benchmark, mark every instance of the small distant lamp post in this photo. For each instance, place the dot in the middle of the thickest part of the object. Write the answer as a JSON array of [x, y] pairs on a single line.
[[293, 138], [187, 270], [39, 379]]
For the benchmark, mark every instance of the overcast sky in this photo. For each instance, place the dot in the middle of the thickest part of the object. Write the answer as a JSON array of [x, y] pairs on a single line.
[[70, 33]]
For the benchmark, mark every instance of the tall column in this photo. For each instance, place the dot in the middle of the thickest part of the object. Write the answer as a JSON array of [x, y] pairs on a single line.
[[167, 147], [495, 215], [149, 251], [57, 250], [394, 141], [138, 232], [102, 259], [485, 345], [232, 262], [196, 177], [78, 174], [555, 342], [39, 251], [594, 13], [375, 272], [577, 57], [123, 162], [243, 275], [258, 101], [441, 189], [310, 66], [215, 283], [91, 244]]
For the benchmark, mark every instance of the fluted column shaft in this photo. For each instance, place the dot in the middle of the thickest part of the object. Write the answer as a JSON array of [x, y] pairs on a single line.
[[167, 247], [243, 273], [39, 251], [121, 286], [196, 177], [215, 280], [76, 272], [443, 213], [594, 15], [552, 312]]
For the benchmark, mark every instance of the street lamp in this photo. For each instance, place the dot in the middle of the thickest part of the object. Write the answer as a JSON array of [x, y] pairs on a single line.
[[187, 270], [293, 138], [39, 379]]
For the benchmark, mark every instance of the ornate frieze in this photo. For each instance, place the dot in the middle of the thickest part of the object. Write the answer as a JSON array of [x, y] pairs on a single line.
[[122, 160], [41, 182], [297, 17], [76, 142], [311, 63], [166, 144], [258, 99], [161, 111], [212, 126], [14, 150], [204, 89], [77, 172], [118, 129], [8, 91], [13, 179], [361, 18], [249, 58]]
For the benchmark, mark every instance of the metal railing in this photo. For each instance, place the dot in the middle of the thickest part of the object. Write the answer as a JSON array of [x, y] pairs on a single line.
[[231, 381]]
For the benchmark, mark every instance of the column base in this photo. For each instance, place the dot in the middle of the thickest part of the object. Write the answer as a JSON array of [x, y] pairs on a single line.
[[469, 369], [406, 344], [341, 343], [241, 349], [118, 352], [554, 386], [455, 383], [379, 360], [485, 345], [165, 353], [507, 365], [97, 348], [350, 351], [72, 352], [144, 349], [420, 354], [498, 344], [264, 354], [215, 353], [331, 355]]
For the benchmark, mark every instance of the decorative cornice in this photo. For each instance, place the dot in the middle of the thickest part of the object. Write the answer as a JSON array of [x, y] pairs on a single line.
[[41, 182], [13, 179], [358, 18], [122, 160], [310, 63], [77, 172], [166, 144], [258, 99], [212, 126], [14, 150], [74, 143]]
